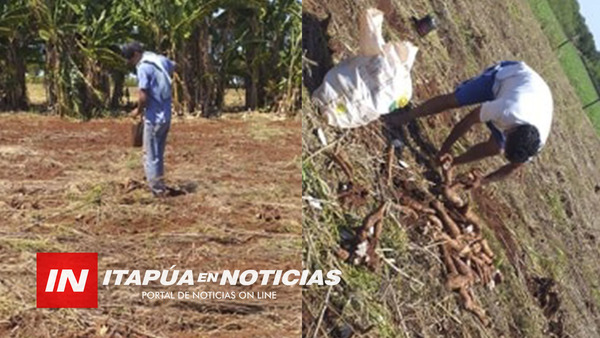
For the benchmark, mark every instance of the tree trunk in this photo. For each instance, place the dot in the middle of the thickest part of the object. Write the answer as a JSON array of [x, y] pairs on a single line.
[[193, 69], [16, 90], [207, 69], [184, 70], [176, 83], [252, 80], [220, 96], [52, 75], [251, 92], [117, 94]]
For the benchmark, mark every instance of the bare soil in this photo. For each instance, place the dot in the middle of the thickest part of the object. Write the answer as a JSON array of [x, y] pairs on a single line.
[[543, 224], [71, 186]]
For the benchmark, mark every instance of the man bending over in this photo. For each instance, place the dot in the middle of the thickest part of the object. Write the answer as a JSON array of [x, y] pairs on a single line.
[[516, 105]]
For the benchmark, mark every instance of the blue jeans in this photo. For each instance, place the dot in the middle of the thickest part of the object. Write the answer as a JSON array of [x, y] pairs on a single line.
[[480, 89], [155, 140]]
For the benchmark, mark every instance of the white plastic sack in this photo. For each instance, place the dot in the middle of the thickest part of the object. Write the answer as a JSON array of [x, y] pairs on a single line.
[[371, 41], [360, 89]]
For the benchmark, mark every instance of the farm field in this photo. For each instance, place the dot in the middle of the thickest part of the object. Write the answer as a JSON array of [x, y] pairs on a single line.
[[569, 59], [543, 225], [73, 186]]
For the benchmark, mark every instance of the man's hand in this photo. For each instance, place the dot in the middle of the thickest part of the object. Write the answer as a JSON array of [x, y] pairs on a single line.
[[461, 129], [474, 179], [141, 105], [444, 159], [135, 113]]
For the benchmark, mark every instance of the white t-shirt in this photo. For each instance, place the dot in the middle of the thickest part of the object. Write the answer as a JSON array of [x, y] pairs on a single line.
[[521, 97]]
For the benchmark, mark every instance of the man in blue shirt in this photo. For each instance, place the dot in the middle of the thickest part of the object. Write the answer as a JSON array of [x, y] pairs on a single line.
[[154, 73]]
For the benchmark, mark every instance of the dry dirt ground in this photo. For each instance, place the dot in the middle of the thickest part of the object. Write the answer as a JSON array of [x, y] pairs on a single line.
[[68, 186], [544, 224]]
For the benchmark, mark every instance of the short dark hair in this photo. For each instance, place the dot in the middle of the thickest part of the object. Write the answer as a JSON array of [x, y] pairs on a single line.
[[522, 143], [128, 49]]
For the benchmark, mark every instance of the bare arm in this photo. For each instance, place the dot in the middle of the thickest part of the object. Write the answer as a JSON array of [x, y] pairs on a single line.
[[460, 129], [501, 173], [141, 100], [139, 110]]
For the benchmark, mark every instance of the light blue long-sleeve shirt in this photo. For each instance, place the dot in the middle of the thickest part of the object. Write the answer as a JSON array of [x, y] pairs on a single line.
[[154, 76]]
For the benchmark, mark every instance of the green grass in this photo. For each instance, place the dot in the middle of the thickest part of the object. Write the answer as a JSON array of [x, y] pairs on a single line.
[[261, 130], [569, 59], [548, 21], [30, 244], [557, 208], [594, 114], [133, 161], [577, 73]]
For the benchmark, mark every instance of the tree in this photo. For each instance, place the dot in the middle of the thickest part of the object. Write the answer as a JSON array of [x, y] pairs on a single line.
[[217, 44], [13, 50]]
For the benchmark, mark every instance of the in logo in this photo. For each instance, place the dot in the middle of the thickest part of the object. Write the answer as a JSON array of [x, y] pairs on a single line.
[[67, 280]]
